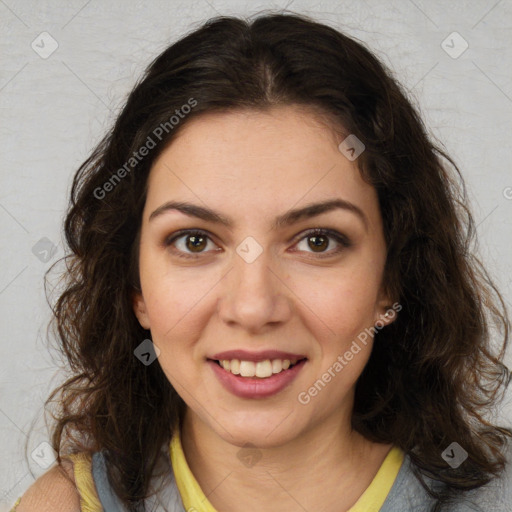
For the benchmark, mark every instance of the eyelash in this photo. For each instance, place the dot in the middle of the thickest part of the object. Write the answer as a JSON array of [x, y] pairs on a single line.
[[344, 242]]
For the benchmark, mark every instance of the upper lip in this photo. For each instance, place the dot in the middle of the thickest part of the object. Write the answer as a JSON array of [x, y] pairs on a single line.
[[244, 355]]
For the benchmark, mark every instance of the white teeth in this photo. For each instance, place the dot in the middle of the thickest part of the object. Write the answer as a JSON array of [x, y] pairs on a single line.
[[247, 369], [235, 366], [277, 366], [261, 369]]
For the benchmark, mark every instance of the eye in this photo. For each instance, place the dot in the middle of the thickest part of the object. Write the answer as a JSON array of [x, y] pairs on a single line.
[[319, 239], [192, 244], [194, 241]]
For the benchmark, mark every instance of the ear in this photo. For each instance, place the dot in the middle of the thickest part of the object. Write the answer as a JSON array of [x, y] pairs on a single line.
[[139, 308], [386, 311]]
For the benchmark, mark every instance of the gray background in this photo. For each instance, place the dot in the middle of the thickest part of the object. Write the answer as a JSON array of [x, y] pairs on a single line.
[[55, 109]]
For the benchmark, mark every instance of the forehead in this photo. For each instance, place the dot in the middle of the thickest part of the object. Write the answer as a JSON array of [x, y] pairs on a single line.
[[253, 161]]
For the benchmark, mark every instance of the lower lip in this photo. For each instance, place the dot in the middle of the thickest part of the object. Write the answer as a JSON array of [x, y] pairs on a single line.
[[254, 387]]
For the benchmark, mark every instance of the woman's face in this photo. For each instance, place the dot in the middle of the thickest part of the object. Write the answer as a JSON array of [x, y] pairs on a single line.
[[252, 279]]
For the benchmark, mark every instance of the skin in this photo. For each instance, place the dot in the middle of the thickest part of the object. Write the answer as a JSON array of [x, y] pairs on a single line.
[[252, 166]]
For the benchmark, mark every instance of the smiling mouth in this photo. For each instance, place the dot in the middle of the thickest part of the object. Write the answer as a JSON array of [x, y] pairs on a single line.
[[261, 369]]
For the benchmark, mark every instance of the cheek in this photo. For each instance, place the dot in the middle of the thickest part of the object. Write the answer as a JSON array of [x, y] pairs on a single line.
[[171, 296], [344, 299], [176, 314], [179, 307]]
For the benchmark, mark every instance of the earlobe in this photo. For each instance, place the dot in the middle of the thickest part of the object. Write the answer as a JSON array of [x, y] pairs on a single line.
[[388, 317], [139, 308], [387, 312]]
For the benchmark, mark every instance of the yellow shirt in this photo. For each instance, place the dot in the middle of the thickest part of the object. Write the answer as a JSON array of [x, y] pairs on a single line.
[[370, 501], [194, 498]]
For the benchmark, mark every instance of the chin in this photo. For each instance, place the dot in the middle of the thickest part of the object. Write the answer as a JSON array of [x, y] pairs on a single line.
[[261, 430]]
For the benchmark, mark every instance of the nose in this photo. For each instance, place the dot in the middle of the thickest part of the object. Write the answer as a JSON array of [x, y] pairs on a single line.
[[254, 295]]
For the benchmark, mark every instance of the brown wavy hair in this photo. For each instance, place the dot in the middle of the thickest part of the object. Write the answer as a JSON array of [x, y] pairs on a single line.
[[434, 373]]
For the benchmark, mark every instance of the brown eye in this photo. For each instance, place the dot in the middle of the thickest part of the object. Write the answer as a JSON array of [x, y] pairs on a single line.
[[188, 243], [195, 242], [318, 241]]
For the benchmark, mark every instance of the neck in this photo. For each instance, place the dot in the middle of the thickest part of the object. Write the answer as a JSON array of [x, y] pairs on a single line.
[[326, 468]]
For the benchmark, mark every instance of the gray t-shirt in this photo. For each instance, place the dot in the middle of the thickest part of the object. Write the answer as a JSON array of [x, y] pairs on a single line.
[[406, 495]]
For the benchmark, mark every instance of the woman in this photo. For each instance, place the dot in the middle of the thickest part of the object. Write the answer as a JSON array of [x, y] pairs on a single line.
[[271, 302]]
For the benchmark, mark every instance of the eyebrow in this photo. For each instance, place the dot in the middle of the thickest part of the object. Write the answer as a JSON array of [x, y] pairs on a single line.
[[287, 219]]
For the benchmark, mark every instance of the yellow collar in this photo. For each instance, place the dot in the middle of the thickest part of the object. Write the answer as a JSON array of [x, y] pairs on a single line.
[[194, 499]]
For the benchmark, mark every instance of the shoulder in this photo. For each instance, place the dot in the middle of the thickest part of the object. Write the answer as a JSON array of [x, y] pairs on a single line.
[[497, 494], [54, 491], [407, 492]]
